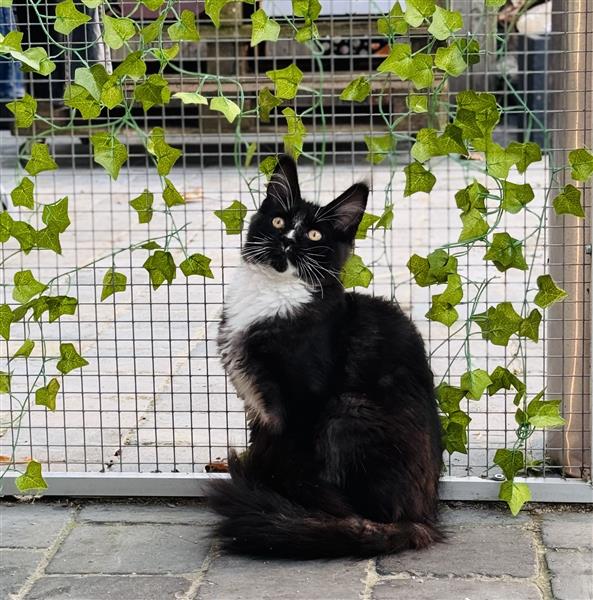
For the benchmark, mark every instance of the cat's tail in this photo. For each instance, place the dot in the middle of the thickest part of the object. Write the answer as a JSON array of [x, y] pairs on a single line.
[[259, 521]]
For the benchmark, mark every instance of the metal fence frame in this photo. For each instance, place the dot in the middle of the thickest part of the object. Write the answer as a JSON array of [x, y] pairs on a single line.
[[545, 489]]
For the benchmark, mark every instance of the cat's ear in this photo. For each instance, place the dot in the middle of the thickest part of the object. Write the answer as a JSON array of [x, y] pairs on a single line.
[[346, 211], [283, 189]]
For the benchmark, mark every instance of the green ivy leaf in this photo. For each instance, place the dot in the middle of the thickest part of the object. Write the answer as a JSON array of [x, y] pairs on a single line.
[[426, 145], [266, 103], [380, 147], [386, 219], [449, 397], [268, 165], [418, 10], [417, 104], [418, 179], [153, 92], [213, 8], [295, 136], [191, 98], [367, 221], [495, 3], [455, 431], [109, 152], [394, 23], [78, 98], [472, 197], [170, 194], [69, 359], [357, 90], [451, 141], [502, 378], [68, 17], [442, 309], [435, 268], [474, 383], [263, 29], [25, 234], [5, 382], [60, 305], [498, 160], [470, 50], [113, 282], [306, 9], [530, 326], [511, 462], [477, 115], [233, 217], [416, 68], [166, 156], [151, 245], [46, 396], [92, 79], [25, 349], [55, 215], [22, 195], [581, 161], [499, 323], [132, 66], [152, 4], [307, 32], [450, 60], [117, 31], [23, 110], [26, 286], [231, 110], [506, 253], [142, 204], [516, 196], [445, 23], [161, 267], [197, 264], [92, 3], [6, 319], [49, 239], [474, 225], [151, 32], [6, 224], [35, 60], [544, 413], [525, 153], [286, 81], [185, 30], [514, 494], [40, 160], [568, 202], [31, 479], [355, 273], [549, 293]]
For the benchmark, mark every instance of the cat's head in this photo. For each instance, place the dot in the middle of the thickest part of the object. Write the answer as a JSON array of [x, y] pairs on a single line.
[[291, 235]]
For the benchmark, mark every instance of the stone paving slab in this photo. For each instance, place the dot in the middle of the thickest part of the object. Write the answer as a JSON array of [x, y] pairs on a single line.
[[196, 514], [237, 578], [454, 589], [572, 574], [567, 530], [116, 548], [103, 587], [470, 550], [15, 567], [31, 525]]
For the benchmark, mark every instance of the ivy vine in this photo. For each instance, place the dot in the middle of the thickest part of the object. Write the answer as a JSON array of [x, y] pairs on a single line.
[[467, 133]]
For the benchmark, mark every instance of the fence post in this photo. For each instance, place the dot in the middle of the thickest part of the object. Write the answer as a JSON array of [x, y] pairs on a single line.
[[569, 239]]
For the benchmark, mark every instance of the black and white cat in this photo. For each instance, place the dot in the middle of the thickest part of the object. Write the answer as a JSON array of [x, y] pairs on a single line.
[[345, 447]]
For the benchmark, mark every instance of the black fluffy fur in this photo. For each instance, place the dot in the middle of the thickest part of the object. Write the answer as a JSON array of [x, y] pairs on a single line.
[[348, 462]]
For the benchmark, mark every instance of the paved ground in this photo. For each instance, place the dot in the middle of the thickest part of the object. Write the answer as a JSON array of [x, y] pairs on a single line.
[[162, 551]]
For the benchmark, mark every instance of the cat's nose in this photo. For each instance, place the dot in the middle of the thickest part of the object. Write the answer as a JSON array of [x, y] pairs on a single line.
[[287, 244]]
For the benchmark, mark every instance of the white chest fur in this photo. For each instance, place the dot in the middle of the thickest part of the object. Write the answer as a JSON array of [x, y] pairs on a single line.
[[258, 293], [255, 294]]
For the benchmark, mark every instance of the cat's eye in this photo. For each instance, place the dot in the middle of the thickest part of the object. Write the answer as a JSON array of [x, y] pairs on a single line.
[[314, 235], [278, 222]]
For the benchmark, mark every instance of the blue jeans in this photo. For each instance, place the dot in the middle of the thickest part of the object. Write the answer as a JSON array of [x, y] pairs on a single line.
[[11, 78]]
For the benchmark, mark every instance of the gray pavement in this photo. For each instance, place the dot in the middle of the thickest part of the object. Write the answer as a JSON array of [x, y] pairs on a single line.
[[91, 550]]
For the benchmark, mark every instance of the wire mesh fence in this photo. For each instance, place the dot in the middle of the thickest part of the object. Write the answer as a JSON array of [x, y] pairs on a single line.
[[154, 397]]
